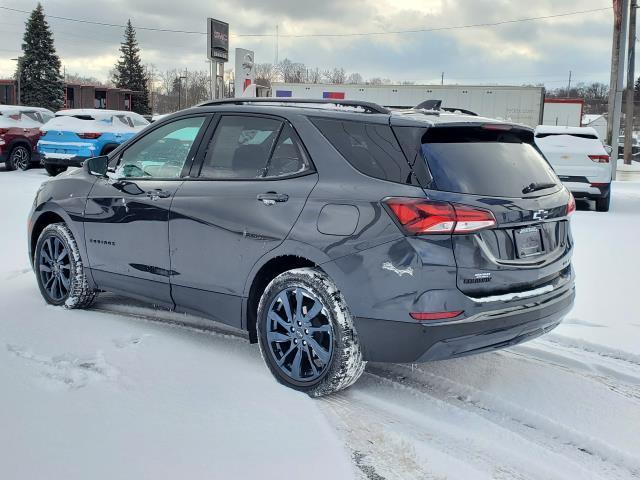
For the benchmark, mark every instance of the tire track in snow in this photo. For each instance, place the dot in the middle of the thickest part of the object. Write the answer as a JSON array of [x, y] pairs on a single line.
[[389, 440], [578, 449]]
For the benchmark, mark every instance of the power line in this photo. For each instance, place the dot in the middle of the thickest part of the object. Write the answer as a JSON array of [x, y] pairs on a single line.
[[312, 35]]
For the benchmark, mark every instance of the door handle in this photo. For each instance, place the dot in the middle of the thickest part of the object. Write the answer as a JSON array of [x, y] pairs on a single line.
[[270, 198], [157, 193]]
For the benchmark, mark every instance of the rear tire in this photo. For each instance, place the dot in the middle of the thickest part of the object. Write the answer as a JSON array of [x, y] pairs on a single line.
[[59, 269], [602, 204], [54, 170], [20, 157], [306, 333]]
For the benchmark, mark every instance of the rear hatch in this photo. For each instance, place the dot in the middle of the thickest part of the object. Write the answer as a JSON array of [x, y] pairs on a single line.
[[497, 168]]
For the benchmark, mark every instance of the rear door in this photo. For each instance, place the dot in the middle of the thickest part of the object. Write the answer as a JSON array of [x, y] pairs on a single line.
[[497, 168], [127, 214], [242, 199]]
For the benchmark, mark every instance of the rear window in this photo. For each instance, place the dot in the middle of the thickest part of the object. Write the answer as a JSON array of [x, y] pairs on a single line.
[[577, 135], [478, 161]]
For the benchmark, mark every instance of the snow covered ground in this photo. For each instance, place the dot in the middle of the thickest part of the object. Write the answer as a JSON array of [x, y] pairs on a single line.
[[123, 391]]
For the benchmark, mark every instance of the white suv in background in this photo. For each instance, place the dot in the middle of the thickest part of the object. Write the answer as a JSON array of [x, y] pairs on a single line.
[[579, 159]]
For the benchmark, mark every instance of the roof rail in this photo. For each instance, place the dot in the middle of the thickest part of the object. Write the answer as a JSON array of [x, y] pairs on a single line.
[[368, 107]]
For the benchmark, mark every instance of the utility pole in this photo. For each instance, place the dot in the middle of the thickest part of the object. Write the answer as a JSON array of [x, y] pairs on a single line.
[[616, 84], [276, 60], [628, 113], [569, 85]]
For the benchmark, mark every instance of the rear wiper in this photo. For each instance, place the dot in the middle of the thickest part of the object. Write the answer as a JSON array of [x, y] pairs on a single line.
[[534, 187]]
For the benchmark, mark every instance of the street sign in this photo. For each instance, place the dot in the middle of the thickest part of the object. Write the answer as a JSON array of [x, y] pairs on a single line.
[[217, 40]]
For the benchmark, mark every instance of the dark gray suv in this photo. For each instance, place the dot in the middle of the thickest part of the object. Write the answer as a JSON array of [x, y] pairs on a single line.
[[334, 233]]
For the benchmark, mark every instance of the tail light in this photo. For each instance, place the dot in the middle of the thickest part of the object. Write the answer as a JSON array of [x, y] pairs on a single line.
[[571, 206], [3, 131], [419, 217], [421, 316], [599, 158], [89, 135]]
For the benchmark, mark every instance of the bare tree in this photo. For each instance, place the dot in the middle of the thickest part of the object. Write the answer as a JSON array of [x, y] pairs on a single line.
[[355, 78], [265, 74]]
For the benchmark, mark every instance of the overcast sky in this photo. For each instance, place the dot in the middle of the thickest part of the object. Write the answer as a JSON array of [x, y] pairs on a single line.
[[526, 52]]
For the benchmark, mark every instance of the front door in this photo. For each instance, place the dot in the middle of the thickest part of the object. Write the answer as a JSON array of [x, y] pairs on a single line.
[[250, 188], [127, 214]]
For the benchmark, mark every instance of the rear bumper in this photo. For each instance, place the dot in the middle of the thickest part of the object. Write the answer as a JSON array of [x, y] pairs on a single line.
[[76, 161], [506, 324], [586, 190]]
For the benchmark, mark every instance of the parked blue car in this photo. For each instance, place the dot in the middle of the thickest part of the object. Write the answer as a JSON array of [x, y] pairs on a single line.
[[75, 135]]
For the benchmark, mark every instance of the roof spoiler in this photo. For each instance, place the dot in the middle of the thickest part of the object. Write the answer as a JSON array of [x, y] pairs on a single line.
[[436, 105]]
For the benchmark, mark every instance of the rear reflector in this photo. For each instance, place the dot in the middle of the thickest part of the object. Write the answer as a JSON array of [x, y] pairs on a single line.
[[599, 158], [89, 135], [422, 316], [571, 206], [421, 217], [599, 184]]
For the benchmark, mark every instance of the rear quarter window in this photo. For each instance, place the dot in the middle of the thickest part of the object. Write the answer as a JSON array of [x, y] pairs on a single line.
[[370, 148]]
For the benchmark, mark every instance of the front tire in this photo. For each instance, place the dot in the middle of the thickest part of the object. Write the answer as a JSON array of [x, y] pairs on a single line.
[[54, 170], [20, 157], [60, 270], [306, 333]]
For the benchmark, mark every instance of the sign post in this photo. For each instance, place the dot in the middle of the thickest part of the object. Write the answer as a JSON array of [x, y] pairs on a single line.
[[218, 51]]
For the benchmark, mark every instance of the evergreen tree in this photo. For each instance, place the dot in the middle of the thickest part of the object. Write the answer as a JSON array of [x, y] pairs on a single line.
[[130, 74], [41, 84]]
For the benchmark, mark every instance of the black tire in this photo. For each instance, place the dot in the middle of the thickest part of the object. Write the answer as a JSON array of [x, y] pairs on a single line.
[[20, 157], [54, 170], [340, 346], [603, 203], [8, 164], [69, 289]]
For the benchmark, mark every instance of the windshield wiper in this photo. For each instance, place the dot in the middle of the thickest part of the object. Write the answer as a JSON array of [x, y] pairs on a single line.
[[534, 187]]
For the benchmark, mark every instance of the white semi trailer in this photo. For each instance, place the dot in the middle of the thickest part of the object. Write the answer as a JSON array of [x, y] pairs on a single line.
[[516, 104]]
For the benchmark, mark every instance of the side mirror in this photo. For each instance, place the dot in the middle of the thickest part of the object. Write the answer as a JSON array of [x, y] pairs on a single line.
[[608, 149], [97, 165]]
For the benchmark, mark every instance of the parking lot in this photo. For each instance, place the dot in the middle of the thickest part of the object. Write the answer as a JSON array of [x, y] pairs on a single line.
[[89, 393]]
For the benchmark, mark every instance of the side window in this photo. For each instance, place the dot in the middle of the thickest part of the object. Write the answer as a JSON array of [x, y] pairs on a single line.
[[288, 158], [240, 148], [161, 153], [370, 148]]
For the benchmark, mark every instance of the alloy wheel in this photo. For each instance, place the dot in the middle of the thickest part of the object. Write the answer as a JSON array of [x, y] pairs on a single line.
[[54, 265], [299, 334], [20, 158]]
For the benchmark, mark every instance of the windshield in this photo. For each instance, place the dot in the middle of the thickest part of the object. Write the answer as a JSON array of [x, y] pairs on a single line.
[[486, 162]]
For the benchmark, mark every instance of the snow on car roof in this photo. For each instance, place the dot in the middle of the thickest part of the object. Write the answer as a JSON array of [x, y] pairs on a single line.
[[92, 112], [560, 130], [22, 108]]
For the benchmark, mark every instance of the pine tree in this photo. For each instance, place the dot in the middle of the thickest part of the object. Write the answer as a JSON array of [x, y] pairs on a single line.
[[130, 73], [41, 84]]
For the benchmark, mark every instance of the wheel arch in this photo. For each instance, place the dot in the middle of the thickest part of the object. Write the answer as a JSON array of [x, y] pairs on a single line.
[[107, 148], [20, 142], [287, 256], [55, 214]]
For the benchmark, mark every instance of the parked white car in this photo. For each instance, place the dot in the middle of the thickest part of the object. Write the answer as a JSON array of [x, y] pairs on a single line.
[[579, 159]]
